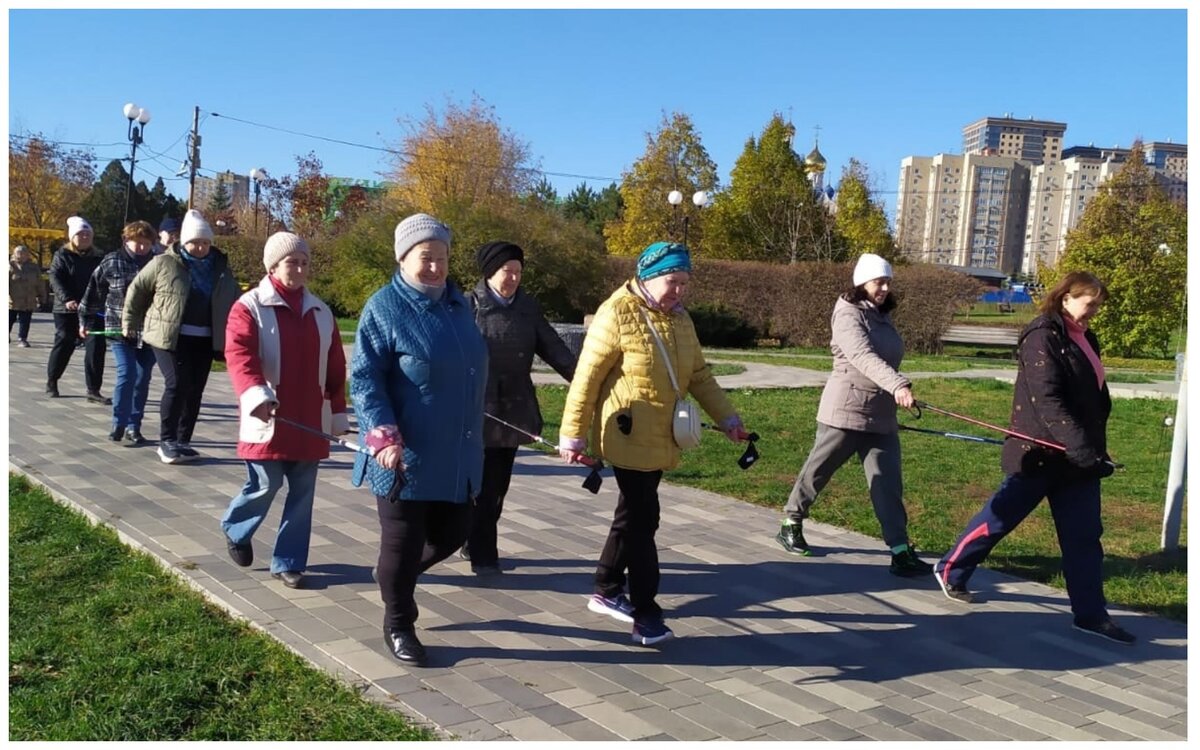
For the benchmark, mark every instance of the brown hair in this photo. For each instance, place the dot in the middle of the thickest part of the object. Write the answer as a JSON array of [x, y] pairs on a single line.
[[1076, 284], [138, 230], [856, 294]]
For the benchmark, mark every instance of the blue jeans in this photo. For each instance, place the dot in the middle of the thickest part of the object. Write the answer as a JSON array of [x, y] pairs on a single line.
[[247, 511], [134, 367], [1075, 506]]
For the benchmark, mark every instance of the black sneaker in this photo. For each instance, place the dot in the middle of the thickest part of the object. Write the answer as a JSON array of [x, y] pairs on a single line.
[[117, 434], [98, 398], [791, 538], [907, 565], [486, 570], [52, 388], [405, 647], [134, 437], [957, 593], [186, 452], [293, 579], [1107, 629], [169, 454], [241, 554]]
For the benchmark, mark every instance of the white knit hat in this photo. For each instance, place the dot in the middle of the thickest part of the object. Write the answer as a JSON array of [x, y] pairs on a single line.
[[280, 245], [77, 224], [871, 266], [416, 229], [194, 228]]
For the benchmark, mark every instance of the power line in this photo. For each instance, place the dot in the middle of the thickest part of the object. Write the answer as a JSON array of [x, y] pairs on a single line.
[[62, 143], [408, 155]]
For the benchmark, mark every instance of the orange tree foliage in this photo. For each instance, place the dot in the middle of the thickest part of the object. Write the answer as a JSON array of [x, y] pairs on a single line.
[[46, 184]]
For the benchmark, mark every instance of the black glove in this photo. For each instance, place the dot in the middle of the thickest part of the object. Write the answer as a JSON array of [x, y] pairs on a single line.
[[1104, 468]]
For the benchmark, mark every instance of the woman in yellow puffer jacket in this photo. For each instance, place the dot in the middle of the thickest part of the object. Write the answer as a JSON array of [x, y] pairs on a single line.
[[623, 396]]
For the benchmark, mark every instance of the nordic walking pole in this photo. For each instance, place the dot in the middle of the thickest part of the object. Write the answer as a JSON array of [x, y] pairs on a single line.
[[363, 449], [1011, 433], [591, 483], [750, 456], [954, 435]]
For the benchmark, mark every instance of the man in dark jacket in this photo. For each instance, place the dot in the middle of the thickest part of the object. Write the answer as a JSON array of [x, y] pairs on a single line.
[[70, 271], [515, 329]]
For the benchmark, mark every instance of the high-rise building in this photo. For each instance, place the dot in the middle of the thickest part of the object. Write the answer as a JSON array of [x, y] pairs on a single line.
[[963, 210], [1034, 141], [237, 185], [1058, 195], [1169, 161]]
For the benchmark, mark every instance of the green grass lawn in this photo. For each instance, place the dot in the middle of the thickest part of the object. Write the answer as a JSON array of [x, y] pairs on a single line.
[[947, 481], [105, 645]]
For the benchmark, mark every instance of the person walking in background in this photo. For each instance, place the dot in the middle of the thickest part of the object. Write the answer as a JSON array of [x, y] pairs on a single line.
[[180, 302], [168, 235], [623, 394], [417, 378], [24, 293], [515, 329], [857, 416], [70, 270], [1060, 396], [104, 300], [284, 355]]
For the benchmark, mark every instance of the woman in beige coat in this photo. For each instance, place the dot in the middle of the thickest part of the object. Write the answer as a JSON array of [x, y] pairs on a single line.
[[24, 292], [857, 416], [623, 396]]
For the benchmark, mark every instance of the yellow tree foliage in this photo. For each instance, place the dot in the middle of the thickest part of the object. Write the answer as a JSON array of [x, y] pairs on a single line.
[[675, 159], [460, 156], [46, 184]]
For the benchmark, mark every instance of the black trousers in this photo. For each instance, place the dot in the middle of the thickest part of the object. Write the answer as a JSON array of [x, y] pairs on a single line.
[[66, 338], [485, 511], [185, 373], [630, 545], [414, 536], [25, 317]]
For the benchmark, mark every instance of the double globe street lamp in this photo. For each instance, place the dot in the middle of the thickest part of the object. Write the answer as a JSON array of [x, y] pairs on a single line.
[[700, 199], [140, 116]]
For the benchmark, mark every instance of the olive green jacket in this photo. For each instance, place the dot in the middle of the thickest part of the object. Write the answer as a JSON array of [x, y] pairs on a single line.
[[155, 300]]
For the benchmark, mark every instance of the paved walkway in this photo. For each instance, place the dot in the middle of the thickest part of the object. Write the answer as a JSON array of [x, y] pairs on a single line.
[[769, 646]]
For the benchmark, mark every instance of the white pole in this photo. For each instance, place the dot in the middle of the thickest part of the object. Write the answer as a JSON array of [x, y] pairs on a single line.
[[1177, 476]]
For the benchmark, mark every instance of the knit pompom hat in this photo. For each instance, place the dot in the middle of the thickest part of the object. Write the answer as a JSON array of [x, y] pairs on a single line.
[[280, 245], [416, 229], [77, 224], [663, 258], [195, 228], [871, 266]]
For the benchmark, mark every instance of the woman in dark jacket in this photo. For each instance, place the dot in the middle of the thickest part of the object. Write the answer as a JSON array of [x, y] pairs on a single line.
[[1061, 397], [70, 270], [515, 329]]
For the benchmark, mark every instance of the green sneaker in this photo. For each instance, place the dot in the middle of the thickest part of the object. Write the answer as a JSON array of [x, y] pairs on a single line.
[[791, 538]]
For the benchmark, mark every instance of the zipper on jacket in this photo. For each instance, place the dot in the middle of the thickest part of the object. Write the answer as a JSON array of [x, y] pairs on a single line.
[[462, 413]]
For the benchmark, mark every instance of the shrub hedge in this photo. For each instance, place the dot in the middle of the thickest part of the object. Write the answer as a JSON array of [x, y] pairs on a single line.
[[793, 303]]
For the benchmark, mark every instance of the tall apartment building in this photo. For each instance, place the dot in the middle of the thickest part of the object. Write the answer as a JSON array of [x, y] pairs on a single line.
[[963, 210], [1058, 195], [1169, 161], [1033, 141], [238, 186]]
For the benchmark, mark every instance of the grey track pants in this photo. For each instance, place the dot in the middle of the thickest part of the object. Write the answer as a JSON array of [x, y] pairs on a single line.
[[880, 457]]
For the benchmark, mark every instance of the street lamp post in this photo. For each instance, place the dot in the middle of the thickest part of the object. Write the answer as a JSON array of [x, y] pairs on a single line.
[[700, 199], [141, 116], [258, 175]]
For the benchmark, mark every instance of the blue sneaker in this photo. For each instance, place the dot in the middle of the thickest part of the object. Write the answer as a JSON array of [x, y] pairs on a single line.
[[648, 632], [618, 607]]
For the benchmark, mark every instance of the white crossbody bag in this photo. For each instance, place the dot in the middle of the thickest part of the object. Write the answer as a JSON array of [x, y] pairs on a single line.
[[685, 418]]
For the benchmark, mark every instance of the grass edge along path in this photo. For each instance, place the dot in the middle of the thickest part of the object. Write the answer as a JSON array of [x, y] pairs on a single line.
[[104, 644], [947, 481]]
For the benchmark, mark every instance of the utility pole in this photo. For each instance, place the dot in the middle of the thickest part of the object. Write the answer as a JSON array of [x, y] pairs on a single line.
[[1177, 474], [194, 155]]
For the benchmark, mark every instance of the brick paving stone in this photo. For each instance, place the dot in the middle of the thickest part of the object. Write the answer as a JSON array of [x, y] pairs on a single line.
[[587, 730], [477, 730], [532, 728], [829, 641]]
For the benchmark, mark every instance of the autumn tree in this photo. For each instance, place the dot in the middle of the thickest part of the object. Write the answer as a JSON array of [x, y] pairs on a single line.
[[1135, 240], [46, 184], [770, 211], [860, 221], [308, 195], [462, 155], [675, 159]]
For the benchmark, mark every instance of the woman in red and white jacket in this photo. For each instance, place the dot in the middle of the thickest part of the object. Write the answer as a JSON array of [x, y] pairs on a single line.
[[284, 355]]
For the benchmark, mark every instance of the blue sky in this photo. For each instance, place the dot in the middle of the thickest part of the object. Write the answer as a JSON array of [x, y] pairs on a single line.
[[584, 87]]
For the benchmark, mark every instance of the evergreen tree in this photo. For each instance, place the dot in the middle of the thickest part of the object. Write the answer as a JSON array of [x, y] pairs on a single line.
[[220, 201], [104, 207]]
